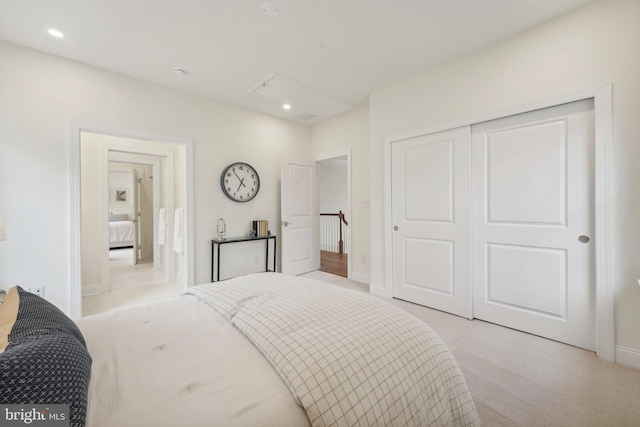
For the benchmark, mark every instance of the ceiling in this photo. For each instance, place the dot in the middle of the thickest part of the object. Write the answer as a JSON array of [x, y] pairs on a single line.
[[340, 49]]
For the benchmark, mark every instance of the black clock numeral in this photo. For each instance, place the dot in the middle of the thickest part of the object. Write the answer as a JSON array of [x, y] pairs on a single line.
[[234, 194], [241, 197], [229, 174], [226, 181], [241, 167], [228, 188]]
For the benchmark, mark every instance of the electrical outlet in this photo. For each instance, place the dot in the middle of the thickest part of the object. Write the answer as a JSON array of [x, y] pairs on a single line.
[[38, 290]]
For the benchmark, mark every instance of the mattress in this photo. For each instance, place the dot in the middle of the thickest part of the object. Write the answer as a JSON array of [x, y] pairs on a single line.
[[120, 234], [271, 350]]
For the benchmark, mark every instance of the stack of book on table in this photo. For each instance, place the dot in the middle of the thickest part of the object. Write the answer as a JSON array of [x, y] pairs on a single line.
[[261, 228]]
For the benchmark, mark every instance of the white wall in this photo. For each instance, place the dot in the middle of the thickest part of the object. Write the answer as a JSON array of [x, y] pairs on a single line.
[[591, 46], [332, 187], [349, 131], [40, 94]]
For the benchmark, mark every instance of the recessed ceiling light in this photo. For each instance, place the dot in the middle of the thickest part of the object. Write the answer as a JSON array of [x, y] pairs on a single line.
[[269, 9], [287, 106], [55, 33]]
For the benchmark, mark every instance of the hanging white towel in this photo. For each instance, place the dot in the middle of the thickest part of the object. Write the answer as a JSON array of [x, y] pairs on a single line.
[[162, 226], [178, 230]]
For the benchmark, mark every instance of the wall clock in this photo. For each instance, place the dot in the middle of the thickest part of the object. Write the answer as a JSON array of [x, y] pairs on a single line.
[[240, 182]]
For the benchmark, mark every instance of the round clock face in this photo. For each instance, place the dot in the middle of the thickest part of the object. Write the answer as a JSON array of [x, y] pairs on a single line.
[[240, 182]]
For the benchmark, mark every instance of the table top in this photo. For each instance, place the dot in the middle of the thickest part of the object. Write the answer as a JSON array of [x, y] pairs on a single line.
[[241, 239]]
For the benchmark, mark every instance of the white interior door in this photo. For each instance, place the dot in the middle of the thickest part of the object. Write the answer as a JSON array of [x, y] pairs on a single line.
[[135, 189], [533, 210], [299, 237], [430, 219]]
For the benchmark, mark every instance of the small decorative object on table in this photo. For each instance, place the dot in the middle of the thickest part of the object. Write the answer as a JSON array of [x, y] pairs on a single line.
[[221, 229]]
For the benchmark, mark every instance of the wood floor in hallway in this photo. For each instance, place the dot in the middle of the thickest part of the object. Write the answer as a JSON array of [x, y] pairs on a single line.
[[334, 263]]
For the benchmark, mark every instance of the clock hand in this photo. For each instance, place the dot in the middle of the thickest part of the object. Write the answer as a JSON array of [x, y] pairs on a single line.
[[241, 185]]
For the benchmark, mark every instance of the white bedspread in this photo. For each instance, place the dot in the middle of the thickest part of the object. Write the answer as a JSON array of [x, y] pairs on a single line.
[[348, 358], [180, 363], [120, 233]]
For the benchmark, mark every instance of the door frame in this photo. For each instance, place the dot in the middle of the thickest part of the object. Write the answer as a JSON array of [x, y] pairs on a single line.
[[116, 154], [75, 209], [603, 110], [347, 154]]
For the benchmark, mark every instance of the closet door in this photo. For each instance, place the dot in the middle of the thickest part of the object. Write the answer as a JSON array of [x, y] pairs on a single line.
[[533, 224], [430, 220]]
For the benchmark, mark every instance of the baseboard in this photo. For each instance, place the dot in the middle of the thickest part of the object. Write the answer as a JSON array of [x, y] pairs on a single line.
[[628, 356], [379, 290], [87, 290], [360, 278]]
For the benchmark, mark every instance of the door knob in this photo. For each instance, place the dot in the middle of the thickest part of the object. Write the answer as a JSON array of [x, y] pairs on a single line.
[[285, 223], [583, 239], [395, 228]]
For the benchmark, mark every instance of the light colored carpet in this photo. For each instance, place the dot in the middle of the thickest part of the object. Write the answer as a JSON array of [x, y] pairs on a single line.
[[123, 274], [130, 285]]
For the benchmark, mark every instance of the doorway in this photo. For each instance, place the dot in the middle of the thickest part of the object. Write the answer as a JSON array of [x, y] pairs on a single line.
[[300, 212], [333, 204], [523, 227], [132, 245], [166, 168]]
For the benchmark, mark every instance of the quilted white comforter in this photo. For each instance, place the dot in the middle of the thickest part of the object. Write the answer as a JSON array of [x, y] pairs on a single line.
[[348, 358], [120, 233]]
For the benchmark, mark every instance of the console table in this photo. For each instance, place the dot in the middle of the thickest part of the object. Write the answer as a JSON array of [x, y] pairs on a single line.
[[215, 254]]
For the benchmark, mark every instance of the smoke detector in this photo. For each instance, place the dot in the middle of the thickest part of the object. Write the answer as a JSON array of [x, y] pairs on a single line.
[[179, 72], [269, 9]]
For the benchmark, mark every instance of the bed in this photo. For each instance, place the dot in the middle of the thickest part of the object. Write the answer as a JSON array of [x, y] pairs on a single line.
[[120, 231], [270, 349]]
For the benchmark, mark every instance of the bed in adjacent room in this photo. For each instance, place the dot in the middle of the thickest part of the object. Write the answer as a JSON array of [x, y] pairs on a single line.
[[120, 231], [271, 350]]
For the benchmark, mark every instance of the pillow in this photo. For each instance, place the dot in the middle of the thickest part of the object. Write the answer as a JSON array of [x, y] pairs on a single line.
[[43, 355], [8, 316], [119, 217], [24, 314]]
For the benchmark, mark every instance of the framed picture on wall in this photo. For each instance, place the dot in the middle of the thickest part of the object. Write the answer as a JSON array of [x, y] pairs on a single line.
[[120, 195]]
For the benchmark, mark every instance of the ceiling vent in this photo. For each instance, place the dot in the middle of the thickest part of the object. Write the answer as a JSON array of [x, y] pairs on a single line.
[[306, 104]]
